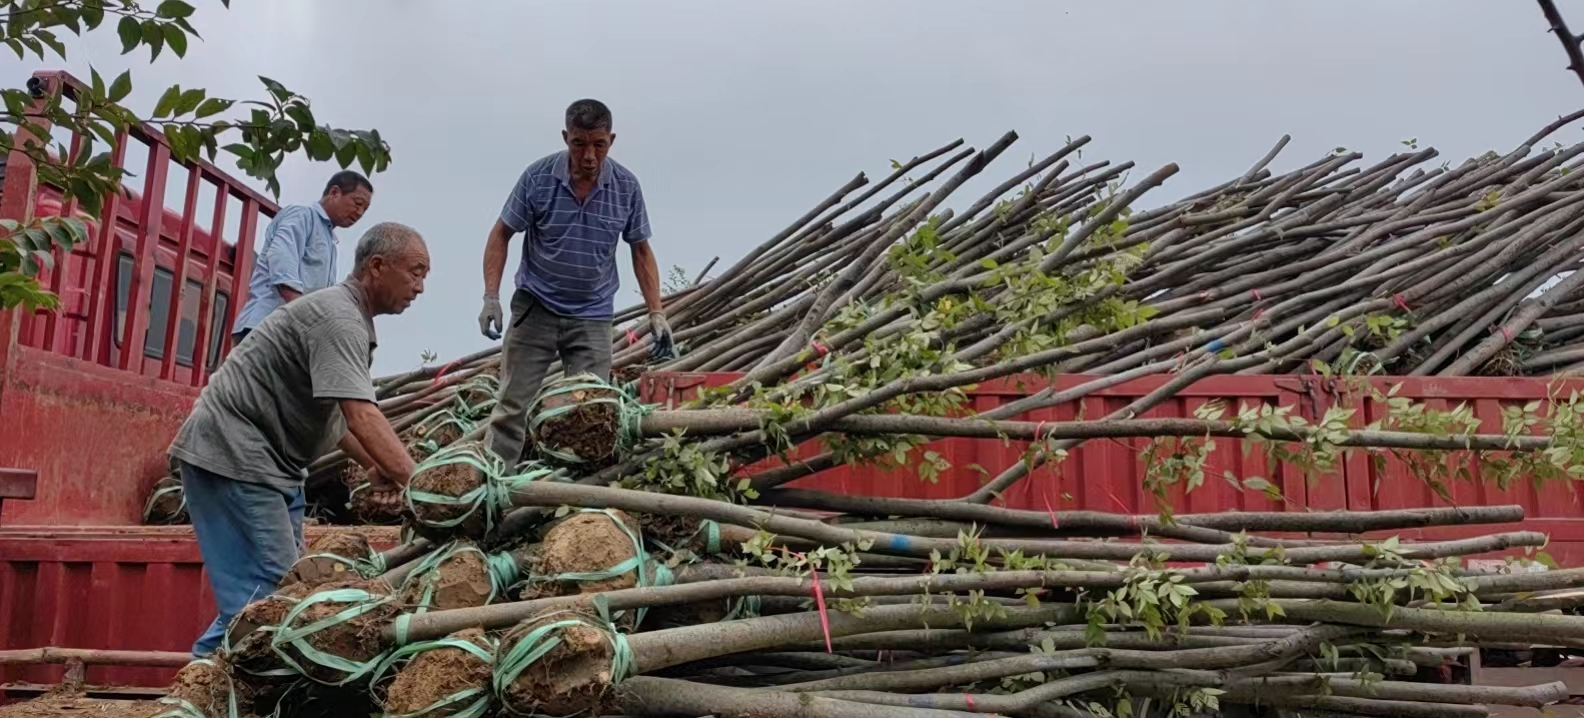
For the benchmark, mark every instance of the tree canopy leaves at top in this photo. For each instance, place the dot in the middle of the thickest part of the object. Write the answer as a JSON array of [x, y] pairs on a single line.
[[258, 132]]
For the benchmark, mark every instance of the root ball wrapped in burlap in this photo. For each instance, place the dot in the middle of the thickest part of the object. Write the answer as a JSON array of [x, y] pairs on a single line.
[[448, 678], [379, 508], [201, 689], [336, 556], [458, 575], [167, 503], [247, 638], [589, 551], [561, 663], [581, 422], [450, 496], [334, 635]]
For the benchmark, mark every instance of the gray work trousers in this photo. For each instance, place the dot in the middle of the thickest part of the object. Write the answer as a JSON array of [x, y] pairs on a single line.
[[534, 339]]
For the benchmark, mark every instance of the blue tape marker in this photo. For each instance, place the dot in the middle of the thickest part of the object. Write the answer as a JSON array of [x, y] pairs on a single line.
[[1215, 345], [899, 542]]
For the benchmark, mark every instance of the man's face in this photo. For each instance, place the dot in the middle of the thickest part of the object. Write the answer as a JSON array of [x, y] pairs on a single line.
[[587, 149], [398, 279], [345, 209]]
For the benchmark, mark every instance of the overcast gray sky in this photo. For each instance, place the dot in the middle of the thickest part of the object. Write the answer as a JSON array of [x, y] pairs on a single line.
[[737, 117]]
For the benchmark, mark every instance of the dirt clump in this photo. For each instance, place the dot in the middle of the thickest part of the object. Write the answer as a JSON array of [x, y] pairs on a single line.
[[357, 639], [584, 542], [167, 504], [460, 580], [382, 508], [441, 435], [250, 651], [573, 677], [455, 479], [586, 424], [78, 706], [205, 685], [436, 674], [320, 565]]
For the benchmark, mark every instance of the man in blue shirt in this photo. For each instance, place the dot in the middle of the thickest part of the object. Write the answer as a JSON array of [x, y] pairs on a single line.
[[573, 206], [299, 251]]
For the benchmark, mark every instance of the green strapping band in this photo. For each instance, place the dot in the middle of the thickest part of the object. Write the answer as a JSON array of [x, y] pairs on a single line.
[[360, 601], [479, 696], [225, 646], [530, 648]]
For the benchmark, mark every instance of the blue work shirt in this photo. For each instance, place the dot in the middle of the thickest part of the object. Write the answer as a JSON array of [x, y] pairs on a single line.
[[299, 253], [569, 254]]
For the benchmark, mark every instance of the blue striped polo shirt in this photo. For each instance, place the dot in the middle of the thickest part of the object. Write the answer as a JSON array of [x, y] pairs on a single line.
[[569, 255]]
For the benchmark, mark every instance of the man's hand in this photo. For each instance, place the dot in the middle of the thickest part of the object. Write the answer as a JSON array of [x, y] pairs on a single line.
[[491, 321], [379, 482], [664, 348]]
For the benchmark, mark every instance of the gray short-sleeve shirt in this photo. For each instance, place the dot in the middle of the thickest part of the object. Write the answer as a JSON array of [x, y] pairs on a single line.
[[273, 406]]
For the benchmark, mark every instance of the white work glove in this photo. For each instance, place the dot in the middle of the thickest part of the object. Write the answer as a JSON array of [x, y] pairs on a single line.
[[491, 320], [664, 348]]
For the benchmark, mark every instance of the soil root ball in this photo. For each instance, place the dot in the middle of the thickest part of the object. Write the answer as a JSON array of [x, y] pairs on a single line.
[[202, 688], [382, 508], [333, 636], [457, 576], [587, 552], [167, 503], [247, 638], [335, 556], [449, 496], [448, 677], [577, 422], [560, 663]]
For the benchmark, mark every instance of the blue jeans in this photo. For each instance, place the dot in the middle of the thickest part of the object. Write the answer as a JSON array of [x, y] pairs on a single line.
[[249, 535]]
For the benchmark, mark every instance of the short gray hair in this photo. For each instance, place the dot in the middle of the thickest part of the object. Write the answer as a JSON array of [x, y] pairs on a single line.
[[382, 240]]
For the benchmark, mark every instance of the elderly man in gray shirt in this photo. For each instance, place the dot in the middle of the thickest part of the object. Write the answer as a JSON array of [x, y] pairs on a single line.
[[299, 386]]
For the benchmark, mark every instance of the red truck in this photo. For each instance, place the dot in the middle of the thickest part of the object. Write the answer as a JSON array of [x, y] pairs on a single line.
[[91, 394]]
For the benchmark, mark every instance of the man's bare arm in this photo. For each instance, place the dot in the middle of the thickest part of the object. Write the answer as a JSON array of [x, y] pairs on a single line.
[[495, 249], [287, 293], [354, 449], [648, 272], [369, 427]]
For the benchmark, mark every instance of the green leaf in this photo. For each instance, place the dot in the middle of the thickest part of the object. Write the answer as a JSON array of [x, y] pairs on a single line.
[[121, 87], [176, 39], [92, 13], [98, 83], [131, 32], [154, 37], [211, 106], [173, 9], [190, 99], [167, 101], [54, 43], [243, 152]]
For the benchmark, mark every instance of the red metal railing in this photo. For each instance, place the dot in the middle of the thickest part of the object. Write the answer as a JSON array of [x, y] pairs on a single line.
[[100, 320]]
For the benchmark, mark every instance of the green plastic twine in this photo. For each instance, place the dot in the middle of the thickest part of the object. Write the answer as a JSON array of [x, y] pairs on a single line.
[[182, 708], [479, 695], [629, 412], [540, 641], [285, 635]]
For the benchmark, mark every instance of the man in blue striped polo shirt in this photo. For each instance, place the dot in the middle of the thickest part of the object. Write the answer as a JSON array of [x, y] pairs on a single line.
[[572, 206]]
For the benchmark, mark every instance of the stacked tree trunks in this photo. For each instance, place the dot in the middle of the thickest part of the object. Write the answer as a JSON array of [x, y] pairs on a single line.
[[652, 562]]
